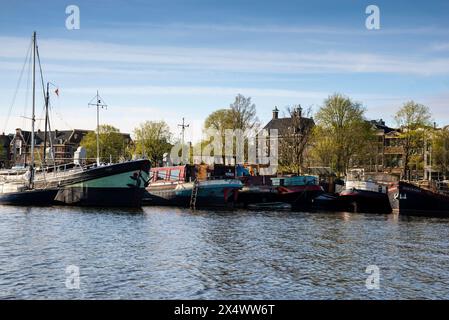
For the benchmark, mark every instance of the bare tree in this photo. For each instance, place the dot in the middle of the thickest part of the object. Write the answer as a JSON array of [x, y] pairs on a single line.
[[294, 139]]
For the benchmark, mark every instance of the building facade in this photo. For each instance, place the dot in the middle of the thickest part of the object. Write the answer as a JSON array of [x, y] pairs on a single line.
[[64, 144]]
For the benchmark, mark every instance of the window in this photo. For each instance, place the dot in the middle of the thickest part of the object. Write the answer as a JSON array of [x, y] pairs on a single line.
[[161, 175], [174, 174]]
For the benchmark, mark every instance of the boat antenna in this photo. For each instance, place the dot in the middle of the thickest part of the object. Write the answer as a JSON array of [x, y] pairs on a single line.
[[183, 128], [99, 103]]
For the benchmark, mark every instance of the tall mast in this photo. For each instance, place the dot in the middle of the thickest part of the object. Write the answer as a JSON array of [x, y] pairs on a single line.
[[183, 127], [98, 130], [98, 103], [33, 118], [47, 97]]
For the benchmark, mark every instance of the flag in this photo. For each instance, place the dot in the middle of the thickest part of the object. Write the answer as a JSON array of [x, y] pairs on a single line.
[[57, 91]]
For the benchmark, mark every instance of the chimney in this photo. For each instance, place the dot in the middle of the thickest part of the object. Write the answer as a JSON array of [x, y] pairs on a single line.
[[275, 113], [298, 111]]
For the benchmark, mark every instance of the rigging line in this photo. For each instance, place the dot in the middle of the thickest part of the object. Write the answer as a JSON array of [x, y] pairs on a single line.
[[61, 118], [17, 86], [27, 93], [40, 69]]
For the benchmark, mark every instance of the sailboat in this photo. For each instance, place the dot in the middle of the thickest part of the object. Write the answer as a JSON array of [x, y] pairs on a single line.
[[120, 184], [20, 189]]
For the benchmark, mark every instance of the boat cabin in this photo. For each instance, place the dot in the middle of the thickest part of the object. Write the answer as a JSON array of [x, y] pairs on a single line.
[[188, 173]]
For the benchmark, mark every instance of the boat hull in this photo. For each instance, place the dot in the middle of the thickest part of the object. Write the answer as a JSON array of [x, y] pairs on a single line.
[[121, 184], [408, 199], [37, 197], [300, 197], [365, 201], [214, 193]]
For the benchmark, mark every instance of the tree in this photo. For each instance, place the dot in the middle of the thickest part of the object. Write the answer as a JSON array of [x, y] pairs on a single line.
[[440, 154], [294, 140], [412, 119], [153, 140], [219, 120], [112, 144], [341, 132], [243, 113]]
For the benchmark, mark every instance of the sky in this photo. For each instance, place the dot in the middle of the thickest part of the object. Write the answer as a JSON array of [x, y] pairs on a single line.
[[165, 60]]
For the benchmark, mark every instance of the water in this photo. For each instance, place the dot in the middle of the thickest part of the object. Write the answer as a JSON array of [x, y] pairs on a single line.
[[167, 253]]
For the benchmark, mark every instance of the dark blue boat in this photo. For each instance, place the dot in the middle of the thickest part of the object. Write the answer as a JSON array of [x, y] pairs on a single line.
[[412, 200]]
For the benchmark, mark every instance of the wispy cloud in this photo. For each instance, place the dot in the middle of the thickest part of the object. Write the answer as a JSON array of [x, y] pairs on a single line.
[[441, 46], [199, 91], [225, 60], [332, 30]]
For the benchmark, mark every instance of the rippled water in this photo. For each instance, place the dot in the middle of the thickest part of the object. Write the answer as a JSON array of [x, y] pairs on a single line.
[[160, 253]]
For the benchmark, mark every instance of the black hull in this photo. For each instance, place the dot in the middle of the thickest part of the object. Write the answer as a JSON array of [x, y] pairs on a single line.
[[330, 202], [300, 199], [37, 197], [304, 201], [117, 185], [121, 184], [410, 200], [100, 197], [169, 198], [363, 201]]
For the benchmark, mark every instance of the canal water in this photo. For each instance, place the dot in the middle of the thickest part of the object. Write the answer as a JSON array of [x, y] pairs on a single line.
[[167, 253]]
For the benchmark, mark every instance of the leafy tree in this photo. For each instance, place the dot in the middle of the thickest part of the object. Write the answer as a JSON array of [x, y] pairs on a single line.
[[153, 140], [412, 119], [112, 144], [440, 152], [219, 120], [243, 113], [341, 133]]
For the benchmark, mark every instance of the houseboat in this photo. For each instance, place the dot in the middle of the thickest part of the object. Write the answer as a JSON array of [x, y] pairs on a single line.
[[121, 184], [297, 191], [197, 186], [364, 195], [425, 199]]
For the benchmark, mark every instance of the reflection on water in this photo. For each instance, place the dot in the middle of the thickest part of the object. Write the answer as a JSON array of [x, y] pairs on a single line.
[[160, 253]]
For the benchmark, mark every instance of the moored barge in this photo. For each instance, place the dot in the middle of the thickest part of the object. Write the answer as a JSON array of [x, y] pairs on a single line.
[[414, 200]]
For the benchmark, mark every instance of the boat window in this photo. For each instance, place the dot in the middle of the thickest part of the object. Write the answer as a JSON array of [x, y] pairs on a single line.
[[174, 174], [161, 175]]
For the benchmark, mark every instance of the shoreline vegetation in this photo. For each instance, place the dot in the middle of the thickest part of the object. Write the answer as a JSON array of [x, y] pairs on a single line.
[[337, 136]]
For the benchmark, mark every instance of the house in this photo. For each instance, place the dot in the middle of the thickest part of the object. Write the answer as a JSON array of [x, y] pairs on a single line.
[[5, 158], [389, 153], [296, 123], [64, 145], [293, 136]]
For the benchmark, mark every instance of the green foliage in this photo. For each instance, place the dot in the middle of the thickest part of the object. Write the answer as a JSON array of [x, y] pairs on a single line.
[[413, 120], [342, 134], [241, 114], [112, 144], [153, 140], [440, 153]]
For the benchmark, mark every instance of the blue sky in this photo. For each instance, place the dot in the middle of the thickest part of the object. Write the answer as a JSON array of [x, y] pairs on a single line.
[[164, 60]]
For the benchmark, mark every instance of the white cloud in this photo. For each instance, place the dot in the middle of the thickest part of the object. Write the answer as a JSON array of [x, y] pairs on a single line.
[[121, 57]]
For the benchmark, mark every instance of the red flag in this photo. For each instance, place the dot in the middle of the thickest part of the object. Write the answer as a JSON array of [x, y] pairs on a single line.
[[57, 91]]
